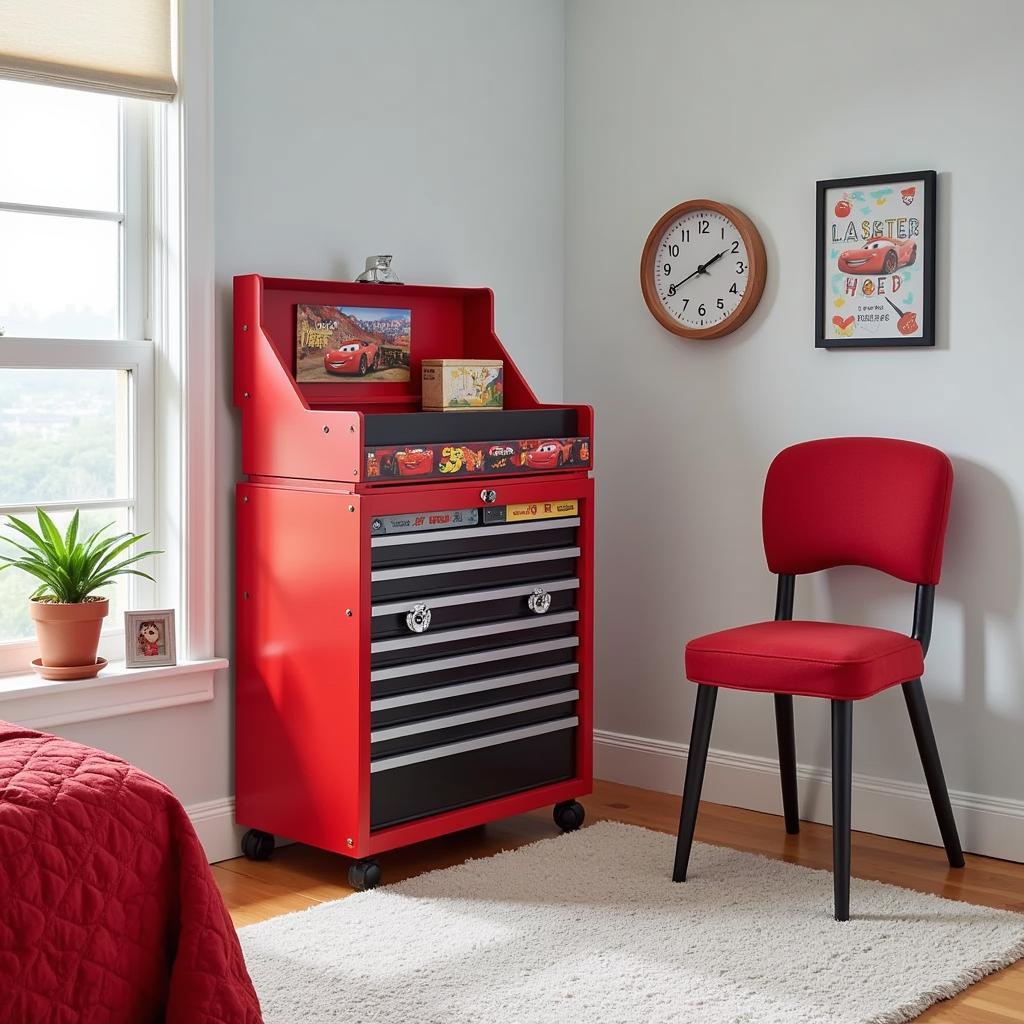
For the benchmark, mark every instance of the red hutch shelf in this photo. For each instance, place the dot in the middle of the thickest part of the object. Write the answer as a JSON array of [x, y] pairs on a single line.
[[414, 645]]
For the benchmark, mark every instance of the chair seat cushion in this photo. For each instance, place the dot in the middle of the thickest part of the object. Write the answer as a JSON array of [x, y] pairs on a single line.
[[811, 659]]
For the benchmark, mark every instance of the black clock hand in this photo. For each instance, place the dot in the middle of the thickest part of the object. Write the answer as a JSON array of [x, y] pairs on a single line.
[[701, 269], [714, 259], [673, 288]]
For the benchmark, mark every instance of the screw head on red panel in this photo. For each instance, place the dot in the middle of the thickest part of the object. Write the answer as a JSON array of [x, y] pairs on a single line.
[[327, 429], [348, 613], [351, 508], [245, 499], [245, 394], [245, 327], [349, 842]]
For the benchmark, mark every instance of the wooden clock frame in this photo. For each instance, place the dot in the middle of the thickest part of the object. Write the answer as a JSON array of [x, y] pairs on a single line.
[[758, 270]]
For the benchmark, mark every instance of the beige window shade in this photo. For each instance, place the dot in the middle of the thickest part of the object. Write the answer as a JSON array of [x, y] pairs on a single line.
[[117, 46]]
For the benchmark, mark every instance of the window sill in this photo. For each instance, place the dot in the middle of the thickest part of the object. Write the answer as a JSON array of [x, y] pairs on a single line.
[[42, 703]]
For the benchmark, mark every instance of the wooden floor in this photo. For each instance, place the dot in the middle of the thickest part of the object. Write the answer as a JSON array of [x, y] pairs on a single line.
[[299, 876]]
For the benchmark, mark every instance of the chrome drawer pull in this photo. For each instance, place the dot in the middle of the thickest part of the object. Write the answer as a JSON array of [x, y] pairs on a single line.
[[394, 732], [427, 537], [385, 764], [470, 632], [418, 618], [539, 601], [476, 658], [533, 675], [476, 596], [470, 564]]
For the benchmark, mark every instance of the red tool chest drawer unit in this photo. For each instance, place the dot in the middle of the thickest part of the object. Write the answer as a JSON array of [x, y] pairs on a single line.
[[414, 590]]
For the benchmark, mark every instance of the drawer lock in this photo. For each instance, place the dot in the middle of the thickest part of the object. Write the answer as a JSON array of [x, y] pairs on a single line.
[[418, 618], [539, 601]]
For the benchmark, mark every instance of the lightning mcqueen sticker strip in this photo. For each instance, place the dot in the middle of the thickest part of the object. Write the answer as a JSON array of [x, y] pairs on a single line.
[[477, 458]]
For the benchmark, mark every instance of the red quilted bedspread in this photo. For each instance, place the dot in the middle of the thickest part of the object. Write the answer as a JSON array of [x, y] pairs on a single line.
[[108, 911]]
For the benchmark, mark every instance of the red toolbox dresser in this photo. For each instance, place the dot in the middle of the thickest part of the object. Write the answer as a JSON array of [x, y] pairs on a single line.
[[414, 589]]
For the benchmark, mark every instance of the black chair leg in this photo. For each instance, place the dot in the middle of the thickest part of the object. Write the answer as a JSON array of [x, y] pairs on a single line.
[[913, 692], [842, 795], [787, 761], [696, 760]]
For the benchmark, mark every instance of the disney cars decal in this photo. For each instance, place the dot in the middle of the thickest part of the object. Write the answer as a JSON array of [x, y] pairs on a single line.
[[355, 358], [480, 457], [879, 255]]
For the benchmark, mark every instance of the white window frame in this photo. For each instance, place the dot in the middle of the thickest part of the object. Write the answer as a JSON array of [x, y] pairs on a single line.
[[132, 351], [174, 373]]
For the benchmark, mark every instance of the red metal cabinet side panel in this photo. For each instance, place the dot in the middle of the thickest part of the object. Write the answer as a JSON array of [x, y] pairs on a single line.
[[281, 435], [302, 679]]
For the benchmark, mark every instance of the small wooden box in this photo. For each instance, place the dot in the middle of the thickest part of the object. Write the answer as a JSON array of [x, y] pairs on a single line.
[[461, 385]]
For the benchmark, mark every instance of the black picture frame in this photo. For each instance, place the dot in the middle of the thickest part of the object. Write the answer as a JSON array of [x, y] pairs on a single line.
[[923, 334]]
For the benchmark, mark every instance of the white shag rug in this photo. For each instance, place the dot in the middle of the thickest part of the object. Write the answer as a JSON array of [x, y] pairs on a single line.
[[589, 927]]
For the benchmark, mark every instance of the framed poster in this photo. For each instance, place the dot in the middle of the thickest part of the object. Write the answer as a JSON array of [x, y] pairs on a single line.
[[875, 261], [369, 344]]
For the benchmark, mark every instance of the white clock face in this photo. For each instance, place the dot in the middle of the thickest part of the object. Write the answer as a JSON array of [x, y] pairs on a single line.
[[701, 269]]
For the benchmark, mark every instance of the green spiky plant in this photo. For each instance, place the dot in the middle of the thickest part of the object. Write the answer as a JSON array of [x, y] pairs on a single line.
[[71, 570]]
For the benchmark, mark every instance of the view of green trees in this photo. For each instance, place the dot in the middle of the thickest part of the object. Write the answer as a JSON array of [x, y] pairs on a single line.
[[58, 442]]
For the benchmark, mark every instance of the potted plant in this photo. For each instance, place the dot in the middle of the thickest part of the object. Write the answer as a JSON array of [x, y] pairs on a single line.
[[65, 607]]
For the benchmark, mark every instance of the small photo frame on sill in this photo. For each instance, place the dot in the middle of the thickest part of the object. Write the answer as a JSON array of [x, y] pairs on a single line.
[[875, 261], [149, 638]]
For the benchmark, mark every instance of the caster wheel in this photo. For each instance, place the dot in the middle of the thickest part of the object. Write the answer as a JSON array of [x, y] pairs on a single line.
[[569, 815], [364, 874], [257, 845]]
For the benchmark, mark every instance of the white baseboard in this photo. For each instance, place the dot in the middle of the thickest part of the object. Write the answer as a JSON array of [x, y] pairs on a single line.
[[214, 822], [993, 826]]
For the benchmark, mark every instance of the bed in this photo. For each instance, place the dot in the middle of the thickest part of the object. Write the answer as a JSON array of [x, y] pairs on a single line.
[[108, 909]]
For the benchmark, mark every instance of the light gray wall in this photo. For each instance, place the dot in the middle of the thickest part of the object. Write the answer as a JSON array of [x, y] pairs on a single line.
[[751, 103]]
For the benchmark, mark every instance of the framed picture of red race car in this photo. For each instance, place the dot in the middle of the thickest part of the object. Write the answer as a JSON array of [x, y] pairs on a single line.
[[875, 261]]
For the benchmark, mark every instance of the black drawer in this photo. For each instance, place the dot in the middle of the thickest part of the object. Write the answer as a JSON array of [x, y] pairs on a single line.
[[409, 786], [489, 691], [427, 733], [468, 608], [475, 573], [393, 680], [467, 541], [489, 636]]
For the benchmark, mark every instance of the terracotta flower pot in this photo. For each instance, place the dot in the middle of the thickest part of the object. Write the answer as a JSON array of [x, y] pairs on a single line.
[[69, 634]]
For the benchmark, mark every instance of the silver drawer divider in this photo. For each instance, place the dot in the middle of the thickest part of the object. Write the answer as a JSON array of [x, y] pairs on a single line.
[[533, 675], [475, 658], [475, 596], [394, 732], [444, 636], [385, 764], [469, 564], [396, 539]]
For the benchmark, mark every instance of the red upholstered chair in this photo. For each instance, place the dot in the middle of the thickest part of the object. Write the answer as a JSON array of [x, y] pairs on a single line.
[[842, 501]]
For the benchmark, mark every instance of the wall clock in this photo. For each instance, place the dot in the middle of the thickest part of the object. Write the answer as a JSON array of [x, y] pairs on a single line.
[[703, 268]]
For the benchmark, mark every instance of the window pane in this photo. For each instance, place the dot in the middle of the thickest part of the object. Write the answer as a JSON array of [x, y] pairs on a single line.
[[16, 587], [60, 147], [58, 277], [63, 435]]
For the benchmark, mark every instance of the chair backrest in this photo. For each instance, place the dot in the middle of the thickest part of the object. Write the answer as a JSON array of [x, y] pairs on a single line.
[[867, 501]]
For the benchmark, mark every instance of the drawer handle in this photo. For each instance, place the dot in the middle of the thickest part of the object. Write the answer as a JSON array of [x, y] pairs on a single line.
[[418, 618], [539, 601]]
